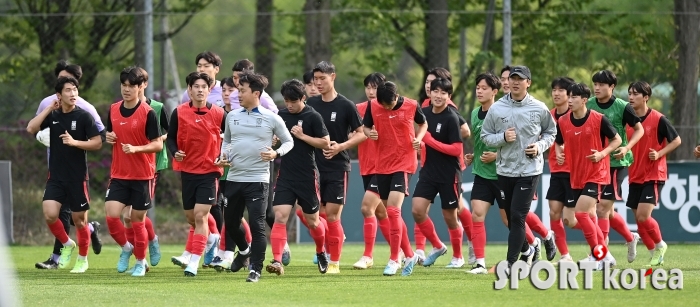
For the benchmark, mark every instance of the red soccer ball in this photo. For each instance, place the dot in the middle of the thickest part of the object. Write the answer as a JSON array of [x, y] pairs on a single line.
[[599, 252]]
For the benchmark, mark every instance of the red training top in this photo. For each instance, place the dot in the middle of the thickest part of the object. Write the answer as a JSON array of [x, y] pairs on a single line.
[[554, 167], [578, 144], [199, 137], [396, 134], [367, 150], [131, 130], [643, 169]]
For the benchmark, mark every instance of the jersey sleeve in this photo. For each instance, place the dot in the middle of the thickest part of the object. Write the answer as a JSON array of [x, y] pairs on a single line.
[[90, 126], [152, 128], [367, 119], [47, 121], [629, 117], [280, 130], [455, 135], [419, 117], [318, 127], [354, 119], [171, 142], [606, 128], [560, 136], [223, 122], [666, 131], [108, 123], [163, 119]]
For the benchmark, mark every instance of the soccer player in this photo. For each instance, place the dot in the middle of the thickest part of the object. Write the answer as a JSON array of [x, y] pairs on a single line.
[[193, 141], [208, 63], [297, 181], [240, 67], [73, 133], [521, 128], [133, 131], [649, 170], [247, 146], [63, 69], [505, 74], [341, 118], [588, 137], [560, 197], [309, 85], [389, 122]]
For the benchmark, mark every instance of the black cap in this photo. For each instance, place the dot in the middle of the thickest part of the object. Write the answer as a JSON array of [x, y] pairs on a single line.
[[521, 71]]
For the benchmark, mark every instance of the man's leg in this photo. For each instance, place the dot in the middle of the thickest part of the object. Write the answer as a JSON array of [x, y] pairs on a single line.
[[479, 210], [278, 237], [334, 196], [518, 193], [424, 193], [254, 195], [205, 197], [370, 202], [51, 209], [235, 236], [397, 187], [52, 263], [450, 196], [80, 204], [649, 228]]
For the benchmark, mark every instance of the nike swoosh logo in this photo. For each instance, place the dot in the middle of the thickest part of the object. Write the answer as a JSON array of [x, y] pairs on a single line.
[[211, 198], [83, 205], [577, 133], [650, 197], [55, 123], [392, 116], [254, 199], [452, 202], [607, 193], [570, 200], [523, 188]]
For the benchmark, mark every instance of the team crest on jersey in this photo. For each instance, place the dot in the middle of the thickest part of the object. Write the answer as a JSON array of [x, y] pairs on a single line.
[[258, 122], [72, 125], [534, 117], [235, 122], [439, 126], [300, 122], [333, 116]]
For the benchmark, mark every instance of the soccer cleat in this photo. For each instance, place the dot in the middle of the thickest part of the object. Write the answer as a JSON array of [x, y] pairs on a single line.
[[632, 247], [391, 268], [472, 256], [81, 265], [47, 265], [420, 254], [333, 268], [191, 271], [123, 263], [658, 258], [95, 238], [180, 261], [549, 247], [210, 253], [139, 269], [528, 258], [253, 276], [131, 270], [566, 258], [286, 255], [456, 263], [315, 260], [222, 265], [154, 251], [66, 253], [322, 262], [364, 263], [409, 265], [241, 261], [434, 255], [402, 258], [275, 268], [538, 250], [478, 269], [610, 259]]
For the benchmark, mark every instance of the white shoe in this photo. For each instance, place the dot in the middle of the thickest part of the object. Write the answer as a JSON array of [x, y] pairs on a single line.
[[566, 258], [211, 242], [391, 268], [471, 260], [610, 259], [364, 263], [421, 256], [456, 263], [402, 259], [632, 248], [478, 269]]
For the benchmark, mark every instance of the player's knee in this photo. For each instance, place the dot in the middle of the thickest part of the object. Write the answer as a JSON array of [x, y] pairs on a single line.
[[366, 210], [641, 217], [50, 218], [380, 215], [554, 215], [418, 214]]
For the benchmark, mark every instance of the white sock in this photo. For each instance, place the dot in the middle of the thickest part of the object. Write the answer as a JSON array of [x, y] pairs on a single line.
[[220, 253], [565, 256], [549, 235], [651, 252], [155, 239], [82, 257], [186, 254], [661, 244], [529, 251], [212, 238], [245, 252], [141, 261], [228, 255], [127, 247], [481, 261], [68, 243], [194, 259], [335, 262]]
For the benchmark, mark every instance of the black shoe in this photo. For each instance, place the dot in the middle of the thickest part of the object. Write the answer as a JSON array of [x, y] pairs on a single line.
[[538, 251], [550, 248], [241, 261], [527, 259], [253, 276], [322, 262], [95, 238], [47, 265]]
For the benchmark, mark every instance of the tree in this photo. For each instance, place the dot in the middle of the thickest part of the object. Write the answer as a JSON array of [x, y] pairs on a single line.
[[264, 50], [317, 33]]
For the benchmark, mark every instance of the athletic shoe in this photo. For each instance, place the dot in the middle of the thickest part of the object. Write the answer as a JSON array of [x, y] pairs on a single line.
[[322, 262], [139, 269], [180, 261], [391, 268], [66, 253], [81, 265], [154, 251], [409, 265], [222, 265], [364, 263], [456, 263], [421, 256], [131, 270], [538, 250], [241, 261], [609, 258], [315, 260], [253, 276], [210, 253], [632, 248], [472, 256], [191, 271], [566, 258], [402, 258], [549, 247], [434, 255], [528, 259], [95, 238], [49, 264], [478, 269], [275, 268], [658, 258], [286, 255], [333, 268]]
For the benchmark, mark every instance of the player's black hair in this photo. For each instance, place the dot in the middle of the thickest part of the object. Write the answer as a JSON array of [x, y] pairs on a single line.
[[507, 68], [562, 82], [210, 57], [243, 65], [640, 87], [308, 77], [61, 82], [256, 82], [580, 90], [442, 84], [387, 92], [134, 75], [374, 79], [292, 90], [325, 68], [493, 81], [440, 72], [72, 69], [145, 74], [605, 77], [194, 76], [228, 81]]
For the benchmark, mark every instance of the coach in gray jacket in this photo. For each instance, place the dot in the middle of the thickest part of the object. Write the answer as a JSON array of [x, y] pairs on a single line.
[[522, 128]]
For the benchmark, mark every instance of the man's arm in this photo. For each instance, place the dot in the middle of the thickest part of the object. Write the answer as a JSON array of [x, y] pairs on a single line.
[[548, 134], [630, 118], [40, 121], [419, 119], [607, 130], [319, 138], [226, 142], [489, 133], [667, 132], [453, 147], [355, 126], [94, 141], [280, 130], [152, 133], [164, 124], [267, 102], [171, 142]]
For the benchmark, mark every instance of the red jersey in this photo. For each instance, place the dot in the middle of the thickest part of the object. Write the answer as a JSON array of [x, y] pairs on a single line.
[[131, 130], [199, 136], [426, 103], [367, 150], [578, 142], [554, 167], [396, 134], [643, 169]]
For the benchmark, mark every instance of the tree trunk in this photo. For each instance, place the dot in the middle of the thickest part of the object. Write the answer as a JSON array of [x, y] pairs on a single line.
[[264, 51], [684, 110], [436, 38], [317, 33]]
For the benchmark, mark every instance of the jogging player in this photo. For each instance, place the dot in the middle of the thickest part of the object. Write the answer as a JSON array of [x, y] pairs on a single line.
[[208, 63]]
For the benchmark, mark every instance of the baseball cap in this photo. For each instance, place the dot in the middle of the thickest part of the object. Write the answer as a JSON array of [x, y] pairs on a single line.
[[521, 71]]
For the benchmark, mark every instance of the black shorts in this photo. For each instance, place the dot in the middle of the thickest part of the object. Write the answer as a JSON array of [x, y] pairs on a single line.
[[366, 180], [73, 194], [613, 191], [589, 189], [242, 194], [487, 190], [644, 193], [384, 184], [333, 187], [199, 189], [305, 193], [560, 189], [449, 193], [135, 193]]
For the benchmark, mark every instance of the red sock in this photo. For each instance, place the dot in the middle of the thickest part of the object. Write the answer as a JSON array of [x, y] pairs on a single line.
[[604, 224], [466, 218], [149, 229], [599, 234], [559, 236], [278, 238], [528, 235], [58, 231], [652, 228], [428, 229], [333, 238], [248, 234], [419, 237], [199, 242], [395, 219], [319, 235], [405, 241], [589, 229], [130, 234], [618, 224], [190, 241], [222, 241], [369, 231], [536, 224], [384, 227], [323, 215], [83, 235], [212, 225], [456, 240], [116, 230], [644, 235], [300, 214], [140, 239], [479, 239]]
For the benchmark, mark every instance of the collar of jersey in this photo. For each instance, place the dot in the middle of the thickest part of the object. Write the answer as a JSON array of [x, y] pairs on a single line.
[[254, 110]]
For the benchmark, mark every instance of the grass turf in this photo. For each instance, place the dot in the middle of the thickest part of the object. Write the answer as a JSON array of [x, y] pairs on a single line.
[[302, 285]]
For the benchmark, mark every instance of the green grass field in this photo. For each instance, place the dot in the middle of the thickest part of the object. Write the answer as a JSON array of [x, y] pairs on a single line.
[[302, 285]]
